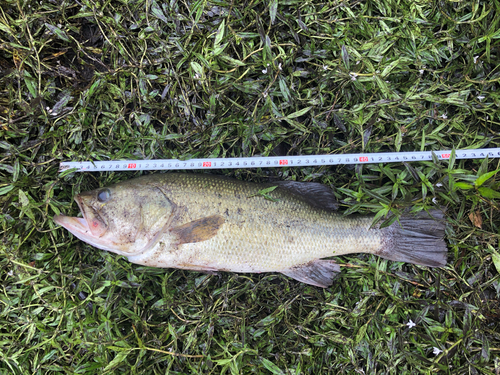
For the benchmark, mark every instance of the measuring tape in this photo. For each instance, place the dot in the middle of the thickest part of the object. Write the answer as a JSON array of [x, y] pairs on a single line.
[[274, 161]]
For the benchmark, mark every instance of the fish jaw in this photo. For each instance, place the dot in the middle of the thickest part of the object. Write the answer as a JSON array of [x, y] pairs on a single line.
[[79, 228], [94, 224]]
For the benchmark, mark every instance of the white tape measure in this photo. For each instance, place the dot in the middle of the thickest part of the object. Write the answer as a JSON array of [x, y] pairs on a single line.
[[274, 161]]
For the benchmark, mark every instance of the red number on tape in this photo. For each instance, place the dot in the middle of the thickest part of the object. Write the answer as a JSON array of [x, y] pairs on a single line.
[[132, 165], [283, 162], [445, 156], [363, 158], [207, 163]]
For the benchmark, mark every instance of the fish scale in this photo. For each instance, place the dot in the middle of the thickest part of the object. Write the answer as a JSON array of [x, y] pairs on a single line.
[[315, 233]]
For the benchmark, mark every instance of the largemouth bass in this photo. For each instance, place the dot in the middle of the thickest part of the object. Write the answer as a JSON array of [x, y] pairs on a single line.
[[210, 223]]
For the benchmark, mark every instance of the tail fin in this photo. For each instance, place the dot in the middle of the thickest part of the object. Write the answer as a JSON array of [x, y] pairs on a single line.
[[417, 239]]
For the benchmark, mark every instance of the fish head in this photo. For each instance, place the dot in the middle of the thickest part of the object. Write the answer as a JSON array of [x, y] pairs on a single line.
[[125, 218]]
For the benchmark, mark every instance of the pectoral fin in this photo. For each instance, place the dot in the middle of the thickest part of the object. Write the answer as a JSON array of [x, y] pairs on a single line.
[[198, 230], [318, 272]]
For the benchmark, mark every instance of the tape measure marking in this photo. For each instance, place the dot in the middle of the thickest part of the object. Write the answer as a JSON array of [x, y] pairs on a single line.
[[274, 161]]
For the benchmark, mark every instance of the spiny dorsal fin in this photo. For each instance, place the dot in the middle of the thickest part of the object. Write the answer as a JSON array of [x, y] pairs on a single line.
[[319, 272], [314, 193], [198, 230]]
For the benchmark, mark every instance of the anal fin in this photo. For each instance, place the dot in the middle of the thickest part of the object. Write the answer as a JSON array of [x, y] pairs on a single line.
[[319, 272]]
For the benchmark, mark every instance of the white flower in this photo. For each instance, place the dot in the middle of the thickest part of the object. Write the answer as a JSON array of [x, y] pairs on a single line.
[[325, 67], [475, 59], [439, 184], [434, 200], [436, 351], [410, 324], [480, 97], [421, 71], [279, 66], [10, 273], [353, 76], [444, 116], [264, 71]]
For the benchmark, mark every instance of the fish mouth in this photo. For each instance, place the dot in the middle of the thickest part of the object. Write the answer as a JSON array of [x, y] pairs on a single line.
[[74, 224], [79, 227]]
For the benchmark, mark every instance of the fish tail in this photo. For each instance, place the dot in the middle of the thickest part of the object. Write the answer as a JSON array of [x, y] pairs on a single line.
[[417, 239]]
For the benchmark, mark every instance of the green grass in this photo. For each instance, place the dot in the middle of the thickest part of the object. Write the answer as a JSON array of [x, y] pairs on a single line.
[[176, 79]]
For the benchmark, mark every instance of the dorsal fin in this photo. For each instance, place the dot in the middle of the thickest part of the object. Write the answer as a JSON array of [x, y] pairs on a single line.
[[314, 193]]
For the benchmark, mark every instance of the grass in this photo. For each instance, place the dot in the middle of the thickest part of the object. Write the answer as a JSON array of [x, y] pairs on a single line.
[[90, 80]]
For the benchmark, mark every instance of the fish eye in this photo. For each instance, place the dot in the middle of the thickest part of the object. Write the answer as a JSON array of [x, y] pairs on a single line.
[[103, 195]]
